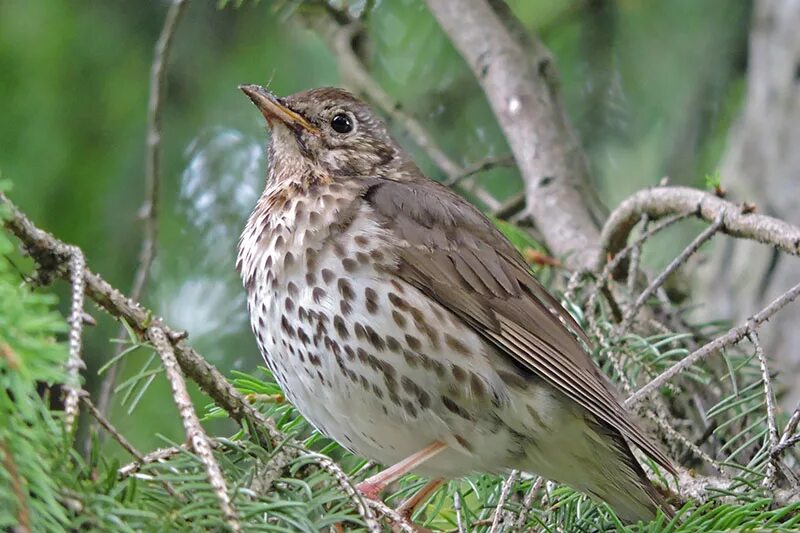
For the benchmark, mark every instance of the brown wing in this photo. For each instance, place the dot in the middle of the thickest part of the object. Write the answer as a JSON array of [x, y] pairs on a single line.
[[455, 255]]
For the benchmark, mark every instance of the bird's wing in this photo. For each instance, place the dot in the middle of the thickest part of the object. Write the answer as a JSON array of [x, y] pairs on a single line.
[[450, 251]]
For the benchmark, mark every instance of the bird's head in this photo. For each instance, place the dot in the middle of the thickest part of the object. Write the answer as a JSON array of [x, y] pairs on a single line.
[[325, 132]]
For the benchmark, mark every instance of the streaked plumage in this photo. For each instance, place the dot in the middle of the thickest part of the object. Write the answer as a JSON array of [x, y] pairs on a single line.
[[394, 314]]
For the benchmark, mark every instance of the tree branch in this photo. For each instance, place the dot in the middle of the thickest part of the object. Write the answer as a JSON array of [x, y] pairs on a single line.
[[733, 336], [195, 433], [737, 221], [521, 86], [152, 181]]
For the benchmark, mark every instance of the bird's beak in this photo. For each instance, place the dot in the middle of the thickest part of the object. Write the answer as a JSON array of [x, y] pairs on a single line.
[[272, 108]]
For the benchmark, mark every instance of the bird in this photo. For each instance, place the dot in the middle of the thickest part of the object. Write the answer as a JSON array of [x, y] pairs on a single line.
[[402, 324]]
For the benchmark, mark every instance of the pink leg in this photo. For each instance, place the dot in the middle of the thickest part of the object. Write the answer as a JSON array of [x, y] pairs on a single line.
[[410, 506], [372, 487]]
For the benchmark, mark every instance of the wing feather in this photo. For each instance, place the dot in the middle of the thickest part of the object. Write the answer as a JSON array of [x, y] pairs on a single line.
[[455, 255]]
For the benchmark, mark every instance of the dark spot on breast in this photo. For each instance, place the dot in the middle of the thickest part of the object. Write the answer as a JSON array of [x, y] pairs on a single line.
[[338, 249], [311, 278], [287, 329], [359, 331], [317, 294], [459, 373], [377, 255], [327, 275], [361, 240], [314, 359], [377, 391], [341, 327], [288, 260], [292, 288], [345, 307], [314, 218], [456, 345], [288, 304], [477, 386], [346, 289], [399, 319], [463, 442], [371, 298], [393, 344], [411, 358], [350, 265], [424, 399], [375, 339], [413, 342], [351, 355], [410, 409], [362, 258], [512, 379], [303, 337], [364, 382], [535, 415], [398, 302], [454, 408]]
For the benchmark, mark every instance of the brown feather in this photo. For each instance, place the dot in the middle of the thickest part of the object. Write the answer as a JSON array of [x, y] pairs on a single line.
[[486, 282]]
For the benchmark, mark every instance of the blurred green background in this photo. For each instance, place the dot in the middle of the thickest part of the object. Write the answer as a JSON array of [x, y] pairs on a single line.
[[652, 88]]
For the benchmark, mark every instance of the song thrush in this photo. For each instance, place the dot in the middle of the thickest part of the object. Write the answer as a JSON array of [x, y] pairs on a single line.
[[401, 323]]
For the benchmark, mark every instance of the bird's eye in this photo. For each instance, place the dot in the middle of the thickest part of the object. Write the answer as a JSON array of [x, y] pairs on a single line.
[[341, 123]]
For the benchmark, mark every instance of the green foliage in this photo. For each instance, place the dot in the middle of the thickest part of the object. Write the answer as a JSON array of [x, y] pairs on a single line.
[[31, 439]]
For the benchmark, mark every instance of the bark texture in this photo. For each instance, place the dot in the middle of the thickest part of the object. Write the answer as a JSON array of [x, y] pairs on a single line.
[[762, 165]]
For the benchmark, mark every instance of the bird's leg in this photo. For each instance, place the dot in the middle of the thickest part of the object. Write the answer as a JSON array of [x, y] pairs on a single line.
[[373, 486], [410, 506]]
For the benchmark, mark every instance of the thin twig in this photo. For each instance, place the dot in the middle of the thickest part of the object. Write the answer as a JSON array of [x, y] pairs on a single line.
[[505, 490], [783, 445], [457, 509], [156, 456], [674, 265], [120, 438], [152, 180], [72, 386], [341, 477], [393, 516], [527, 503], [481, 166], [733, 336], [738, 221], [194, 431], [769, 399], [791, 425], [636, 252]]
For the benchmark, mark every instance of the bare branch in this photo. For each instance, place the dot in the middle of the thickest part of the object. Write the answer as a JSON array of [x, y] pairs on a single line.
[[505, 490], [730, 338], [338, 474], [156, 456], [527, 503], [392, 515], [737, 221], [519, 81], [481, 166], [194, 431], [77, 265], [769, 399], [672, 267], [149, 209], [120, 438]]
